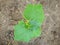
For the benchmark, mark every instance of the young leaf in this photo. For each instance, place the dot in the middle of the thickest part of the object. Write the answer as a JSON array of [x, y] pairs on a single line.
[[34, 12], [22, 33]]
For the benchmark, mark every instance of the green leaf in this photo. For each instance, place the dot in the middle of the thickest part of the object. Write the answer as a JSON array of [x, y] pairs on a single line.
[[22, 33], [34, 12]]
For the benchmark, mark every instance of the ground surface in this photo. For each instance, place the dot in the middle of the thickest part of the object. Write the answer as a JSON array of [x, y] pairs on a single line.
[[11, 13]]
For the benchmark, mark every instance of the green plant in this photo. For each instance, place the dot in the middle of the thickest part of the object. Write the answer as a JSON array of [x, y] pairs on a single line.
[[31, 27]]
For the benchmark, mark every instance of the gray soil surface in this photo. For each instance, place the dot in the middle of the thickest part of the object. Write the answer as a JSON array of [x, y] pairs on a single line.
[[11, 13]]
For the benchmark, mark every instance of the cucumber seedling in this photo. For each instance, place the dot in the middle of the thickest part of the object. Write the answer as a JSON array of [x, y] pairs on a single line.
[[31, 28]]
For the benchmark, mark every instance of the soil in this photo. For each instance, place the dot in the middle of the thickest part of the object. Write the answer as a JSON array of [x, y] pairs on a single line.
[[11, 12]]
